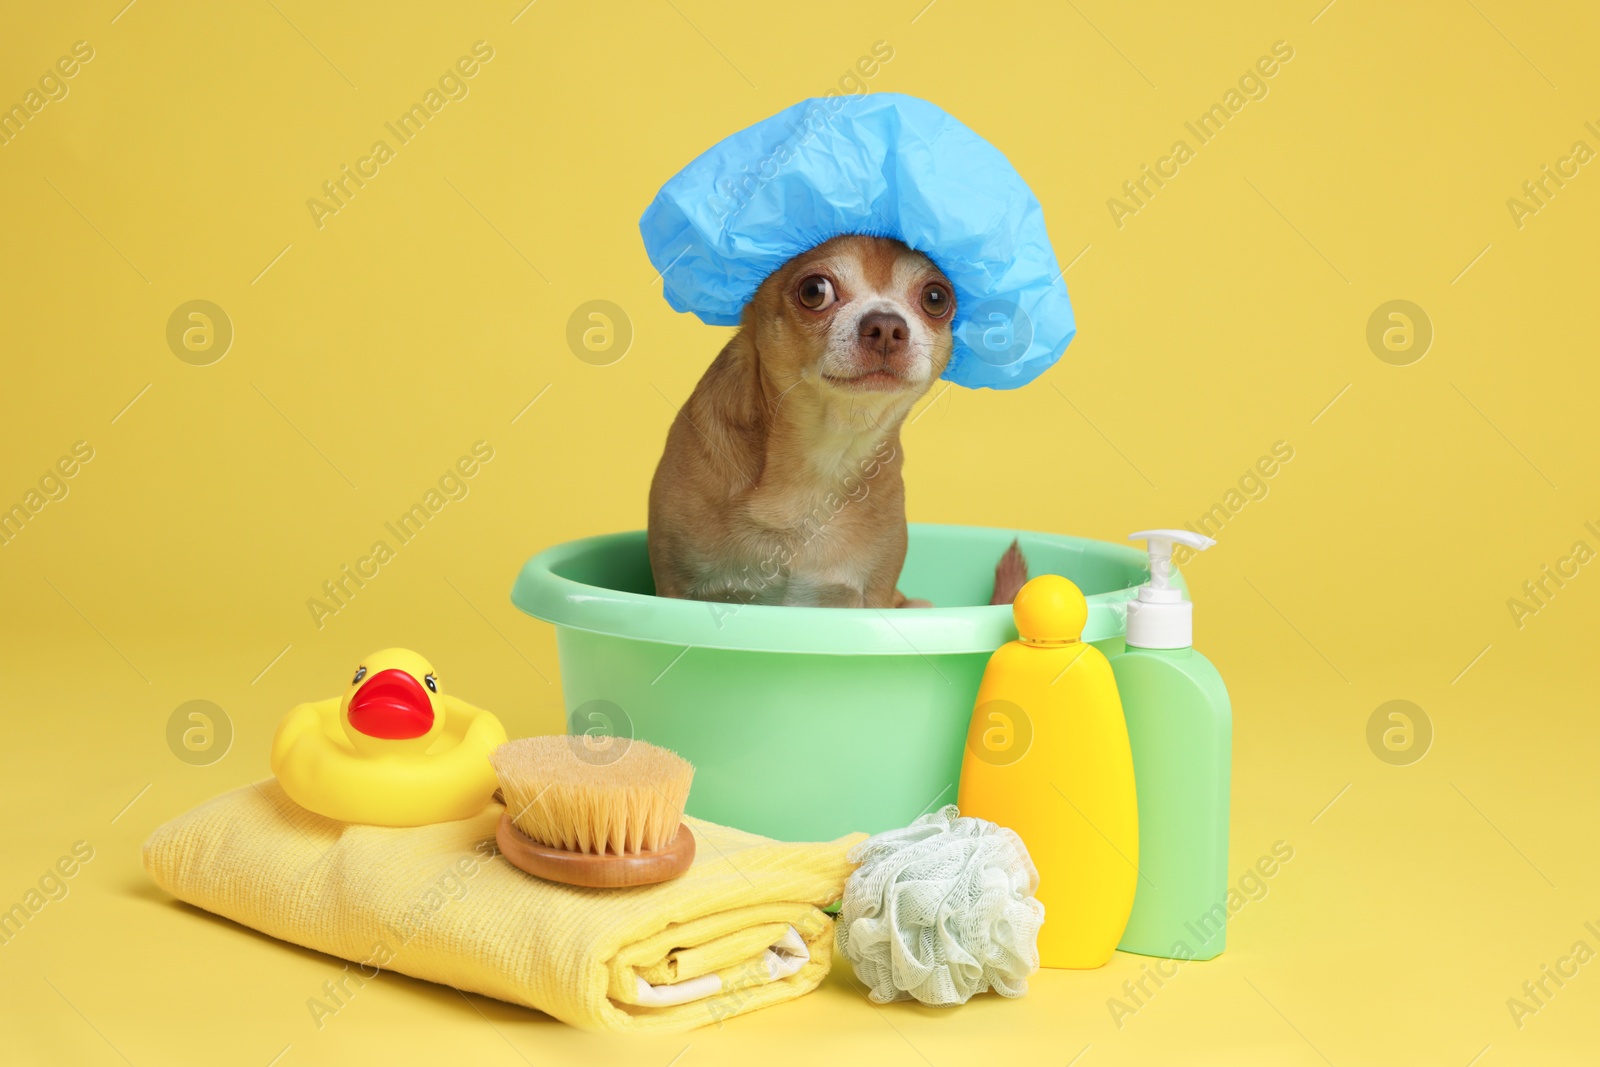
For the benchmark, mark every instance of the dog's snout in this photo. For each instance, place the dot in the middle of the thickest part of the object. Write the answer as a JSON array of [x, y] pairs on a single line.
[[883, 332]]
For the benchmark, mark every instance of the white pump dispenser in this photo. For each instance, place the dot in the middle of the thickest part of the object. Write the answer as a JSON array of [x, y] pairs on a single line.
[[1160, 617]]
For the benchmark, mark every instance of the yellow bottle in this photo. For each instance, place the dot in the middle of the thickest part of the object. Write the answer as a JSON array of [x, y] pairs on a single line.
[[1047, 756]]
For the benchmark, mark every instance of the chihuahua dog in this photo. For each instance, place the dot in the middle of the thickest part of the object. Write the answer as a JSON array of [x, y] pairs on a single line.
[[781, 479]]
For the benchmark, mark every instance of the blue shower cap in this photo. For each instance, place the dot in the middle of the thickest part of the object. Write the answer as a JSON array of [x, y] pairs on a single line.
[[882, 164]]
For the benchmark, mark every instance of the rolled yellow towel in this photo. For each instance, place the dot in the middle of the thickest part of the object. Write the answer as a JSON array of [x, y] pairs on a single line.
[[741, 930]]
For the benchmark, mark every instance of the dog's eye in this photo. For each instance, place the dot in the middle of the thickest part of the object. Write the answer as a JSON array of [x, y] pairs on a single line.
[[816, 292], [936, 301]]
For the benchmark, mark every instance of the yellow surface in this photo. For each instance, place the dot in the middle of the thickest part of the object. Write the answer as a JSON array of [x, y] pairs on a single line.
[[1047, 726], [437, 903], [1228, 314]]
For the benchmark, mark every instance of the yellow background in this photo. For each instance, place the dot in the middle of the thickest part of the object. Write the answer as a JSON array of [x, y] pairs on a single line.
[[1225, 316]]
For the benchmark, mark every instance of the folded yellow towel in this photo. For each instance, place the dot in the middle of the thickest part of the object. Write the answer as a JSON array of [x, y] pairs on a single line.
[[742, 929]]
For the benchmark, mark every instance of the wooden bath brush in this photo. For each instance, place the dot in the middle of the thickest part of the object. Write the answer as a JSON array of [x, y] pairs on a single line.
[[587, 817]]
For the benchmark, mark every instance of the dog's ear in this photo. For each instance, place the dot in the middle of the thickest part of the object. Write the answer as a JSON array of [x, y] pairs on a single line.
[[734, 383], [1010, 575]]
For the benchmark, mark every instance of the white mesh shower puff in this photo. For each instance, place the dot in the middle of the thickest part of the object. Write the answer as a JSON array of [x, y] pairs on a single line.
[[942, 910]]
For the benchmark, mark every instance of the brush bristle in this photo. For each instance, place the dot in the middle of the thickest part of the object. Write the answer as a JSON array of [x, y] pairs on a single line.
[[633, 804]]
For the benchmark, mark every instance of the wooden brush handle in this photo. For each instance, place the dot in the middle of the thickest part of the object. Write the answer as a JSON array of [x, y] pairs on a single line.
[[608, 871]]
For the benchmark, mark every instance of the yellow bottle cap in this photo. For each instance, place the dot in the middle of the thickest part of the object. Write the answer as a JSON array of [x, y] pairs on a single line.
[[1050, 610]]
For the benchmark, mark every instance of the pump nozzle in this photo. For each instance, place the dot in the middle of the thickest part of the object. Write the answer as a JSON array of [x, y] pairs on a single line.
[[1161, 618]]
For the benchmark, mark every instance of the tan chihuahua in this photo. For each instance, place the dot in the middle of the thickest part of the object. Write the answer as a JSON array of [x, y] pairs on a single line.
[[780, 483]]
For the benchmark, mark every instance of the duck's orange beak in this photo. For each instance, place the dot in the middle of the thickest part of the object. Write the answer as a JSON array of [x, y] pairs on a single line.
[[391, 705]]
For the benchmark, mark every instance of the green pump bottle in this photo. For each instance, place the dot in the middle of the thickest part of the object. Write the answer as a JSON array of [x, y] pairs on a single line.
[[1180, 727]]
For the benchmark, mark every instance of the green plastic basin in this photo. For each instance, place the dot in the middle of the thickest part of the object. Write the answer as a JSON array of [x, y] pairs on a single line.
[[804, 724]]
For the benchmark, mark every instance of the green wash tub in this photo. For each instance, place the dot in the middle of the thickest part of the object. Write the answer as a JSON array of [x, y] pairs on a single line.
[[804, 724]]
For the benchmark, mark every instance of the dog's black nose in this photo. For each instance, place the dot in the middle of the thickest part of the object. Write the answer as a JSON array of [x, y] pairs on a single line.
[[883, 332]]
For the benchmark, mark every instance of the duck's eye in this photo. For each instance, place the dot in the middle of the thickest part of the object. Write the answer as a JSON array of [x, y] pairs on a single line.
[[361, 672], [816, 293], [936, 301], [431, 682]]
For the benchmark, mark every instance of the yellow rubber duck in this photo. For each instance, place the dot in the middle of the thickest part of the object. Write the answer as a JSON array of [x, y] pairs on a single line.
[[393, 751]]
